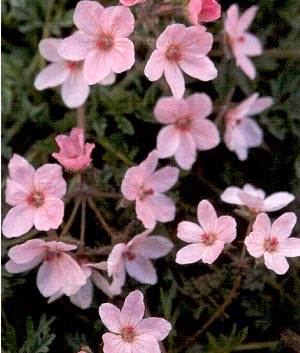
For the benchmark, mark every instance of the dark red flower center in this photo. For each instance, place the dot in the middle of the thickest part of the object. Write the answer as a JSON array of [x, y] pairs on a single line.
[[184, 123], [208, 239], [130, 256], [173, 53], [128, 333], [241, 39], [50, 256], [105, 42], [35, 199], [271, 245], [146, 193]]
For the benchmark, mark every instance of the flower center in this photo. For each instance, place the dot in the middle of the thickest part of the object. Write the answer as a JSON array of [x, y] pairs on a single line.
[[271, 245], [184, 123], [208, 239], [173, 53], [130, 256], [105, 42], [145, 193], [35, 199], [241, 39], [128, 333], [74, 65], [51, 256]]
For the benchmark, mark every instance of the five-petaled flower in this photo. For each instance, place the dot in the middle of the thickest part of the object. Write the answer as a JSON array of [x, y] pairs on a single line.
[[187, 128], [180, 48], [203, 11], [242, 132], [59, 272], [129, 331], [243, 44], [101, 40], [35, 197], [146, 187], [134, 258], [255, 199], [273, 242], [207, 240], [74, 154]]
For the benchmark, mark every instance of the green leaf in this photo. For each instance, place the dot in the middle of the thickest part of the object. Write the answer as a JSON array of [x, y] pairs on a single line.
[[124, 125]]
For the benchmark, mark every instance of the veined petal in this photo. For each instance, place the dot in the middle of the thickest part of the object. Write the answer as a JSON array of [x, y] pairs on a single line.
[[283, 226], [101, 283], [189, 232], [260, 105], [122, 55], [185, 154], [154, 326], [173, 35], [175, 79], [132, 183], [203, 69], [18, 221], [48, 49], [200, 106], [231, 195], [205, 134], [111, 317], [145, 214], [155, 66], [247, 18], [163, 179], [207, 216], [153, 247], [168, 109], [162, 207], [141, 269], [51, 76], [48, 179], [211, 252], [96, 66], [12, 267], [262, 225], [276, 262], [15, 193], [226, 229], [277, 201], [246, 65], [231, 20], [87, 16], [118, 21], [196, 41], [21, 254], [133, 309], [289, 247], [190, 253], [77, 46], [168, 140], [49, 215], [115, 344], [21, 172], [84, 296], [255, 243], [50, 278]]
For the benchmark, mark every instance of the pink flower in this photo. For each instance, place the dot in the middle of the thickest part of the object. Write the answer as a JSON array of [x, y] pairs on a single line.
[[180, 48], [58, 272], [84, 296], [207, 240], [101, 40], [130, 2], [35, 197], [74, 154], [241, 131], [134, 258], [273, 242], [187, 128], [130, 332], [146, 187], [203, 11], [255, 199], [243, 44]]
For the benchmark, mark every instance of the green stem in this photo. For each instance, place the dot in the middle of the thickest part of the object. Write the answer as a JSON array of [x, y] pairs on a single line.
[[83, 220], [71, 218], [256, 346], [103, 222], [115, 152]]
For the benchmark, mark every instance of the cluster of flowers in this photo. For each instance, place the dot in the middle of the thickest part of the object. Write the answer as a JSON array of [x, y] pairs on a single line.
[[94, 54]]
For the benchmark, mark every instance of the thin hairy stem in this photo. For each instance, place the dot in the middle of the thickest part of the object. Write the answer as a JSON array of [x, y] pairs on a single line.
[[103, 222], [83, 220], [71, 218]]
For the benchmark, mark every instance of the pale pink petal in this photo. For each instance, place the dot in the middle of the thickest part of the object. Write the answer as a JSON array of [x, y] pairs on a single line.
[[21, 254], [84, 296], [231, 20], [97, 66], [49, 215], [252, 202], [77, 46], [262, 225], [51, 76], [146, 344], [189, 232], [205, 134], [115, 344], [111, 317], [207, 216], [130, 2], [250, 132], [13, 267], [289, 247], [18, 221], [231, 195], [276, 262], [250, 189], [50, 278], [118, 21], [145, 213], [141, 269], [75, 89], [21, 171], [247, 18], [203, 69], [133, 309], [255, 243], [168, 140], [15, 193], [283, 226], [172, 35], [101, 283], [121, 55], [59, 246], [115, 258], [211, 11], [167, 109], [196, 42], [139, 239], [108, 80], [48, 179], [251, 46], [211, 252], [149, 164], [87, 17], [155, 66], [153, 247], [246, 65], [260, 105], [132, 182], [118, 281], [277, 201], [190, 253], [242, 108], [200, 106], [226, 229], [162, 207], [185, 154], [175, 79], [48, 49], [163, 179], [154, 326], [74, 277]]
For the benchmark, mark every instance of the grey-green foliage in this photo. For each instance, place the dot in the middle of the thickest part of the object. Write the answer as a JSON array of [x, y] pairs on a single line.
[[226, 344], [38, 340]]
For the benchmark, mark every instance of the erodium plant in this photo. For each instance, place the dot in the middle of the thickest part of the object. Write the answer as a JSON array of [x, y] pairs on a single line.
[[128, 219]]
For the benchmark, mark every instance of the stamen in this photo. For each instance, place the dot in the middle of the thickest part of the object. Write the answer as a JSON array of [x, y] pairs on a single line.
[[173, 53], [35, 199]]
